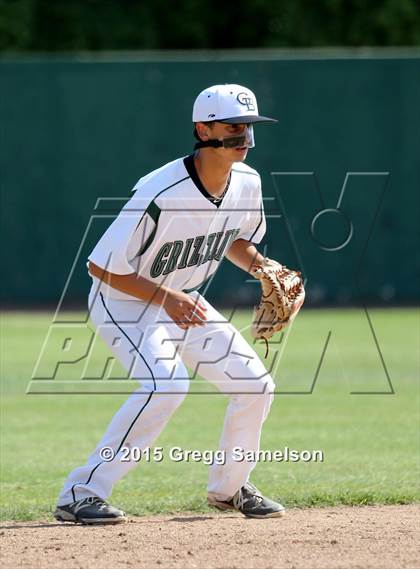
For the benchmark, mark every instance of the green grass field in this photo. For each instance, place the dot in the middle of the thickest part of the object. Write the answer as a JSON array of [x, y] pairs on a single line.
[[370, 439]]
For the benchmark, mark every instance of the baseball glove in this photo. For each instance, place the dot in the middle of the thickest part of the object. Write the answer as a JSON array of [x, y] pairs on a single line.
[[282, 296]]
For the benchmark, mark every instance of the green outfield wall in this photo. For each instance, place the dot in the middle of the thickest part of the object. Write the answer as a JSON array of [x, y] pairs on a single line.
[[340, 171]]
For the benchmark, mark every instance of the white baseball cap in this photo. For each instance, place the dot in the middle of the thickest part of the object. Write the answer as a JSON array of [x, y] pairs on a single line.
[[232, 104]]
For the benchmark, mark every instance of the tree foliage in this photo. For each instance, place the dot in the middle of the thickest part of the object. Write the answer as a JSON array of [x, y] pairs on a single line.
[[69, 25]]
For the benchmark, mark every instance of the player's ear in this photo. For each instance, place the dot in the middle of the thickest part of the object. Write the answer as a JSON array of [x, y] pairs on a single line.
[[203, 131]]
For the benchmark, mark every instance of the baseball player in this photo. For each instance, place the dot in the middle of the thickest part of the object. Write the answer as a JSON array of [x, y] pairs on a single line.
[[147, 269]]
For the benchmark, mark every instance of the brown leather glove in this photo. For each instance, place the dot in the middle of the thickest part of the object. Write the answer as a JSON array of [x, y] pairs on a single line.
[[283, 294]]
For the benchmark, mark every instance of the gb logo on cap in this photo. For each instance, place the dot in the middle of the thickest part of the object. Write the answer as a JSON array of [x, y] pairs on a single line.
[[245, 99]]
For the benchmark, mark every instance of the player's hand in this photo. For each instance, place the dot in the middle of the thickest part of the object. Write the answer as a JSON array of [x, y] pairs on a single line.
[[184, 310]]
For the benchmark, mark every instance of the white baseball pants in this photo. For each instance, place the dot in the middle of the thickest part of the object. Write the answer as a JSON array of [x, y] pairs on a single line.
[[154, 350]]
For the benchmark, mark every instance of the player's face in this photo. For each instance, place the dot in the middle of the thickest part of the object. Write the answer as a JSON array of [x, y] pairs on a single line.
[[221, 130]]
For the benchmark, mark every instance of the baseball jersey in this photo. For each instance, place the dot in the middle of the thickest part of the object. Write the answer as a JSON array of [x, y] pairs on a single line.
[[174, 233]]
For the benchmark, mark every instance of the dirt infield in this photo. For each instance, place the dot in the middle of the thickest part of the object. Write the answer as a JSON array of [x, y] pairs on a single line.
[[343, 537]]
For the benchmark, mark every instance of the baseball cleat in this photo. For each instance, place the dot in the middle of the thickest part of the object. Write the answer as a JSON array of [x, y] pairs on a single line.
[[251, 503], [90, 511]]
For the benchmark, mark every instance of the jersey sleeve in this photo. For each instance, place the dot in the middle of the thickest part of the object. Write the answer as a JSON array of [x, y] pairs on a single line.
[[127, 237], [254, 226]]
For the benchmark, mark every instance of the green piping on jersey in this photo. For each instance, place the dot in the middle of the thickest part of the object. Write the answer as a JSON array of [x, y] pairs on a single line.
[[153, 210]]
